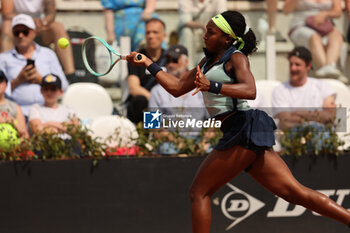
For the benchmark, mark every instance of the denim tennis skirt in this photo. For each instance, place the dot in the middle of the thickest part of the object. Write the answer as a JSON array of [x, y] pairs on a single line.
[[252, 129]]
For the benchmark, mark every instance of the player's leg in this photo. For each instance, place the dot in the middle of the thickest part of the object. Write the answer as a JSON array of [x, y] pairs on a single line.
[[216, 170], [271, 171]]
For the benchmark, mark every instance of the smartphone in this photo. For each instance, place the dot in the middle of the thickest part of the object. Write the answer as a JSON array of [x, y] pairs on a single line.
[[30, 62]]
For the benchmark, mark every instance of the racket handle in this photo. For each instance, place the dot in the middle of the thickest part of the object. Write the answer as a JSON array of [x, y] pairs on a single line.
[[139, 57]]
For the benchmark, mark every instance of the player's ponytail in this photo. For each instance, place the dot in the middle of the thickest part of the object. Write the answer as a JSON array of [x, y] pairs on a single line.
[[240, 28]]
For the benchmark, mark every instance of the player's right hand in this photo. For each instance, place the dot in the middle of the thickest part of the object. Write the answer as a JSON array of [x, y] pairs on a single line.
[[138, 59]]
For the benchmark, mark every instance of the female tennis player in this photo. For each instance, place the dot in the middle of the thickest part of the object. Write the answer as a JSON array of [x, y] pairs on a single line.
[[225, 79]]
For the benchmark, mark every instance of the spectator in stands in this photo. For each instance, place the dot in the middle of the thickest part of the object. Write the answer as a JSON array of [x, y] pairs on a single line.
[[51, 117], [140, 81], [49, 30], [193, 16], [347, 9], [160, 99], [127, 18], [177, 65], [325, 47], [18, 64], [303, 99], [10, 111]]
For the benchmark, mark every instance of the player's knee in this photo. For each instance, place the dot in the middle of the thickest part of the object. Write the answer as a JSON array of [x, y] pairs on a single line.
[[194, 193], [198, 193]]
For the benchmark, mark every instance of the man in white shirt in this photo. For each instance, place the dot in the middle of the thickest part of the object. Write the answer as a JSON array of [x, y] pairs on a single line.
[[303, 99]]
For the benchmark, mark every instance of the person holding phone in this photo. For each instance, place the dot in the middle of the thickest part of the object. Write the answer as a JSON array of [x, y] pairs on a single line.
[[27, 63], [48, 29]]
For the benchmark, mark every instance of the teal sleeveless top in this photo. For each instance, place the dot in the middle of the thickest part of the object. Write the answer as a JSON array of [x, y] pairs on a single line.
[[218, 104]]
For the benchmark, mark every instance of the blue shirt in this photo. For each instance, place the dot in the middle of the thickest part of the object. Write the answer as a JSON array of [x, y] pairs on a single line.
[[123, 4], [46, 62]]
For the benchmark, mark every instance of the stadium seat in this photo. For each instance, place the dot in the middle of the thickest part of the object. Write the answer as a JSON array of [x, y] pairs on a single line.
[[123, 131], [89, 101], [343, 92], [265, 87]]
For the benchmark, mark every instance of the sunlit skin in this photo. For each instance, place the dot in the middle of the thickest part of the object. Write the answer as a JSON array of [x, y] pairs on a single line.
[[155, 35], [221, 166], [298, 71], [215, 40], [51, 95], [23, 42]]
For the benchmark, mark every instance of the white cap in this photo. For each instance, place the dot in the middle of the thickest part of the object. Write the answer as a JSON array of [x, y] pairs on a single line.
[[23, 19]]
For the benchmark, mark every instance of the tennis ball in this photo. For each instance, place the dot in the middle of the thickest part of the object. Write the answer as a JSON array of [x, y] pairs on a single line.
[[8, 137], [63, 43]]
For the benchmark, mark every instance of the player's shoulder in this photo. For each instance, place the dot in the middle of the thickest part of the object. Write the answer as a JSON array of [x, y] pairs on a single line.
[[237, 57]]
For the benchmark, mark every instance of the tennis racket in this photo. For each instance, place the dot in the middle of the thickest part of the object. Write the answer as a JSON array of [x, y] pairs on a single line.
[[112, 56]]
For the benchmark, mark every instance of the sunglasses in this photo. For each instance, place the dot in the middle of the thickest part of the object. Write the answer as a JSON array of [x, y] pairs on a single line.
[[171, 60], [25, 32]]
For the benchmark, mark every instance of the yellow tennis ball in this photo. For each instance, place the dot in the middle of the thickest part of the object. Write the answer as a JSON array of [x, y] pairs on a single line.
[[8, 137], [63, 43]]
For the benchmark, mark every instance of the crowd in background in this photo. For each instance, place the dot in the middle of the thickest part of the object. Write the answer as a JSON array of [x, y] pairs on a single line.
[[33, 76]]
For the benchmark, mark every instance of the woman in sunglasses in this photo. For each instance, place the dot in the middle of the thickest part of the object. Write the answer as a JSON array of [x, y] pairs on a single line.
[[225, 80]]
